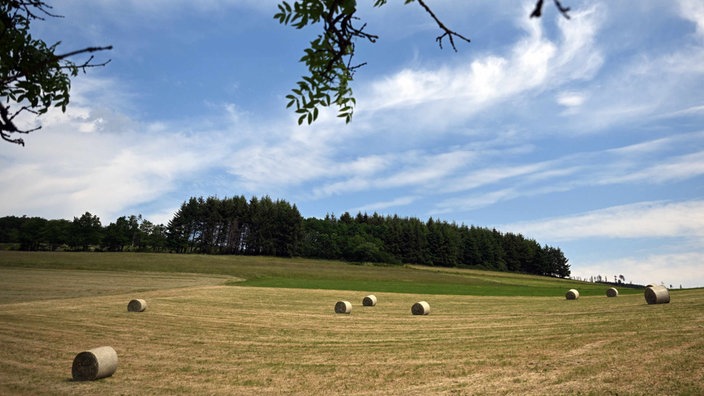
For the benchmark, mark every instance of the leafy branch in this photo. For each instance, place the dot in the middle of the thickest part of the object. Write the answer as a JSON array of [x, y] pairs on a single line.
[[329, 58], [33, 77]]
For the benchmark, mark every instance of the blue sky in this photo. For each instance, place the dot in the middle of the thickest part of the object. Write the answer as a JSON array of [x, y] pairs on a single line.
[[586, 134]]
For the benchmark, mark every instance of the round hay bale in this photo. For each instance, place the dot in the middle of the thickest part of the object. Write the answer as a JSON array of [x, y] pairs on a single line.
[[343, 307], [612, 292], [572, 294], [94, 364], [369, 301], [657, 294], [137, 305], [420, 308]]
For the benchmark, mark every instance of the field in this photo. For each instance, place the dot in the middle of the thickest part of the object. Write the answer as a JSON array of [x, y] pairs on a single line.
[[214, 325]]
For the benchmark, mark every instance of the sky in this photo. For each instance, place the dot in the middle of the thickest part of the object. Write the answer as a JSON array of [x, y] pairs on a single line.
[[585, 134]]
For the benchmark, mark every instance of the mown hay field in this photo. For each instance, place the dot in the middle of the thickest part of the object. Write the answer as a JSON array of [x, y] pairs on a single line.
[[200, 336], [263, 271]]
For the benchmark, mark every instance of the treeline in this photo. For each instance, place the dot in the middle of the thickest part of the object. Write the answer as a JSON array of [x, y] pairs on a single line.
[[83, 233], [262, 226]]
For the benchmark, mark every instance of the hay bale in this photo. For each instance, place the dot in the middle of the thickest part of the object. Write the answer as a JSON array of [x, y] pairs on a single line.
[[572, 294], [343, 307], [94, 364], [612, 292], [657, 294], [137, 305], [369, 301], [420, 308]]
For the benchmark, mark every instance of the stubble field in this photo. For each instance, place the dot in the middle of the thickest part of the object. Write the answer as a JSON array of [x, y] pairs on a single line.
[[200, 336]]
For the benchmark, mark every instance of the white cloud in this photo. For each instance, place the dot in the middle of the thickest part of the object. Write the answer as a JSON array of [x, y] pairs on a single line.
[[644, 85], [103, 174], [578, 53], [492, 175], [693, 10], [473, 202], [405, 169], [98, 160], [677, 168], [381, 205], [678, 269], [658, 161], [570, 99], [637, 220], [348, 186], [496, 84], [422, 169]]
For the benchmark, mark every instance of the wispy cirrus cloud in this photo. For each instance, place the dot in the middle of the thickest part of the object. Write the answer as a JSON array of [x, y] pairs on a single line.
[[382, 205], [446, 95], [402, 170], [637, 220], [671, 269], [650, 162]]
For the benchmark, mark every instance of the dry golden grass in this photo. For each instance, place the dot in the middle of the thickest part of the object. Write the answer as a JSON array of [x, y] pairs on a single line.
[[24, 284], [224, 340]]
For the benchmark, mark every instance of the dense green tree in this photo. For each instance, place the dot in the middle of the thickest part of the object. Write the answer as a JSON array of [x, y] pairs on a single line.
[[321, 239], [364, 248], [10, 229], [555, 263], [35, 233], [394, 240], [235, 214], [134, 233], [182, 229], [521, 254], [415, 235], [253, 231], [86, 231], [275, 228], [117, 235], [262, 226], [288, 233], [211, 226], [443, 243], [32, 233], [393, 237], [153, 236], [58, 233], [471, 253]]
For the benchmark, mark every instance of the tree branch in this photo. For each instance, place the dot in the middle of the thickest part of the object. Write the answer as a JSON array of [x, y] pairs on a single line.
[[7, 126], [450, 34], [38, 4], [538, 10], [339, 30], [35, 79], [83, 51]]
